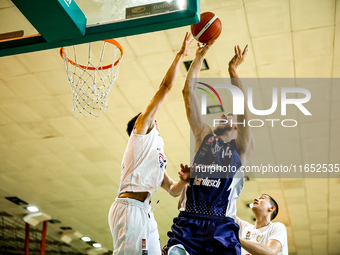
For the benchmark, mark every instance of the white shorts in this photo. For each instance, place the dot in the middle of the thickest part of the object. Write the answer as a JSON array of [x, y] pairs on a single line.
[[133, 228]]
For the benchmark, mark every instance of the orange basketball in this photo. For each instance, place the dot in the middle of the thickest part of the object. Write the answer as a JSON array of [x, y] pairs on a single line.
[[208, 29]]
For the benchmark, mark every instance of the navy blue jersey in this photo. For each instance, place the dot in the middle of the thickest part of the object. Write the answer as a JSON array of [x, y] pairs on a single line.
[[212, 189]]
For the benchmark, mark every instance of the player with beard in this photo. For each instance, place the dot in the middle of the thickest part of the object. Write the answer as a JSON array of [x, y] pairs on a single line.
[[205, 224]]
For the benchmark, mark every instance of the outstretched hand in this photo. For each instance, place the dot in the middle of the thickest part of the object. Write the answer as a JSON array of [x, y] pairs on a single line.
[[202, 49], [184, 174], [239, 56], [185, 45]]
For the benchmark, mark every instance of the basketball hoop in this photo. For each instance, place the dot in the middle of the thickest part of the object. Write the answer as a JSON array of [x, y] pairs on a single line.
[[91, 83]]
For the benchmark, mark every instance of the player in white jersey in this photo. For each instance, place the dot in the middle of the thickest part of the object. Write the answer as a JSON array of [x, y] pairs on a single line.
[[265, 237], [132, 224]]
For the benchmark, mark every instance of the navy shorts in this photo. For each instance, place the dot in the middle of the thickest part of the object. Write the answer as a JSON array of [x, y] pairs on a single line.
[[205, 234]]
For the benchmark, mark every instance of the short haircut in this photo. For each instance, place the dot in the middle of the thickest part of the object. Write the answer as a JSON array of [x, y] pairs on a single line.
[[273, 203], [131, 124]]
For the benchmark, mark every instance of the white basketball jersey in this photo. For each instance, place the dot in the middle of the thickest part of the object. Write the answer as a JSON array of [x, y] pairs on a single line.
[[143, 163], [275, 230]]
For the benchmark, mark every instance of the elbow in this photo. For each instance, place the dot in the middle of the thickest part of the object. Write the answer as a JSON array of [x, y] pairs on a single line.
[[272, 252], [171, 190], [186, 97], [174, 192], [188, 87], [167, 86], [185, 92], [267, 252]]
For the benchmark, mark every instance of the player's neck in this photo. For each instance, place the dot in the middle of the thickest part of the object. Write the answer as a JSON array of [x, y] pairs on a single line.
[[262, 221], [226, 136]]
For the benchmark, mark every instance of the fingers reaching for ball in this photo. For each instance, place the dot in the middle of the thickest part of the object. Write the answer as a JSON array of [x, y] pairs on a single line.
[[239, 56]]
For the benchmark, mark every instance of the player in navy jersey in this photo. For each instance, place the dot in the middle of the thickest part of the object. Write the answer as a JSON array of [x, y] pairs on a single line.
[[206, 224]]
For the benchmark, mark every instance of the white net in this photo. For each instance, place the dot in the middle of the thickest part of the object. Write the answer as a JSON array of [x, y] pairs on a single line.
[[92, 82]]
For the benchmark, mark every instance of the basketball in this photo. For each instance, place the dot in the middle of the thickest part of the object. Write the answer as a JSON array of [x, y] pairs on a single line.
[[208, 29]]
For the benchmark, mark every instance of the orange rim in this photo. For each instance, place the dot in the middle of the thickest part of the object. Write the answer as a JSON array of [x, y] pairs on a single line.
[[112, 41]]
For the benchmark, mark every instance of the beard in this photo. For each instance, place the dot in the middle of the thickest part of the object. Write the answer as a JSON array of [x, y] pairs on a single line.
[[220, 129]]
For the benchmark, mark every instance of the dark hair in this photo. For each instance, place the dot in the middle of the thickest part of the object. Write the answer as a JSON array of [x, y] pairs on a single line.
[[131, 124], [273, 203]]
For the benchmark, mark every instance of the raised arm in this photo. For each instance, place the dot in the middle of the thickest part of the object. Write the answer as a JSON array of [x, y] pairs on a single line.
[[192, 106], [244, 140], [146, 120]]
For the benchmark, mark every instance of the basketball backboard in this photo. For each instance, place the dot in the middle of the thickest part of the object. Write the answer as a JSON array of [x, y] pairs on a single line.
[[35, 25]]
